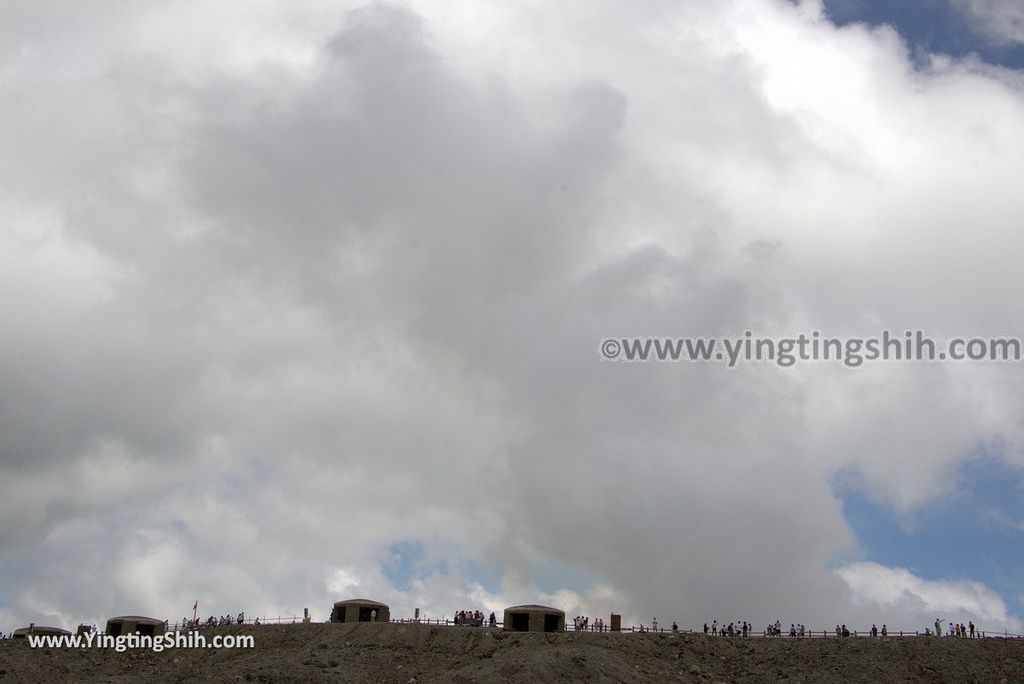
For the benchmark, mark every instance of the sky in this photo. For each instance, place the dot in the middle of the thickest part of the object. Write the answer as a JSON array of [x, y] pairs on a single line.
[[991, 30], [304, 301]]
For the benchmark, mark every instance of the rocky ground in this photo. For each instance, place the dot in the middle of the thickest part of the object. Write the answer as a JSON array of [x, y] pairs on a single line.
[[421, 653]]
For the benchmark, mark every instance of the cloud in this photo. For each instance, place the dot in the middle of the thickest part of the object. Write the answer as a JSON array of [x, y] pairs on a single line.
[[999, 20], [285, 305], [1004, 521], [897, 590]]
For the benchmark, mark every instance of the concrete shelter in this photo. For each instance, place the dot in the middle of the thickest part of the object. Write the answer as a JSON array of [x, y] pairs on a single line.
[[131, 624], [534, 618], [40, 630], [360, 610]]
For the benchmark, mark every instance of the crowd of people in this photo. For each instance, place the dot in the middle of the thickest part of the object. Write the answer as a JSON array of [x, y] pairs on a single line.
[[185, 624], [474, 618], [955, 629], [841, 630], [581, 623], [735, 629], [214, 621]]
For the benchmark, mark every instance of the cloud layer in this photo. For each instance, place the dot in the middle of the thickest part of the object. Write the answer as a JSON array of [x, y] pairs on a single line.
[[289, 301], [1001, 20]]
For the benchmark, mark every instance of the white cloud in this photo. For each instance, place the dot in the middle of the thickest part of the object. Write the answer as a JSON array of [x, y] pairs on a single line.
[[897, 591], [290, 295], [1001, 20]]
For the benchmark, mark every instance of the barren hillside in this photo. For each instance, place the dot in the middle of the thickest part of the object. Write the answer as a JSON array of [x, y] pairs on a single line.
[[401, 653]]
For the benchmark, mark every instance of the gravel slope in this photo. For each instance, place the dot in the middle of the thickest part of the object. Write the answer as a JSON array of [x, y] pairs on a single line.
[[399, 653]]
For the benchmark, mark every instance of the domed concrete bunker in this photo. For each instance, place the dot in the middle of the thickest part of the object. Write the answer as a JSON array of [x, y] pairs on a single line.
[[23, 632], [360, 610], [135, 624], [534, 618]]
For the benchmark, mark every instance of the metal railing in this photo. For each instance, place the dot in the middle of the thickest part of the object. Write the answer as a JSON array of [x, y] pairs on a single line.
[[248, 621], [627, 629], [808, 634]]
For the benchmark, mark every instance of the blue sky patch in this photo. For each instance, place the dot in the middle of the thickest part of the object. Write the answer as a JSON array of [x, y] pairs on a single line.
[[976, 533], [408, 561], [936, 26]]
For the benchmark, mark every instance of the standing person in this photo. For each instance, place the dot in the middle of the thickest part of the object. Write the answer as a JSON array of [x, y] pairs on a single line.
[[938, 626], [705, 628], [714, 628], [885, 630], [970, 626]]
